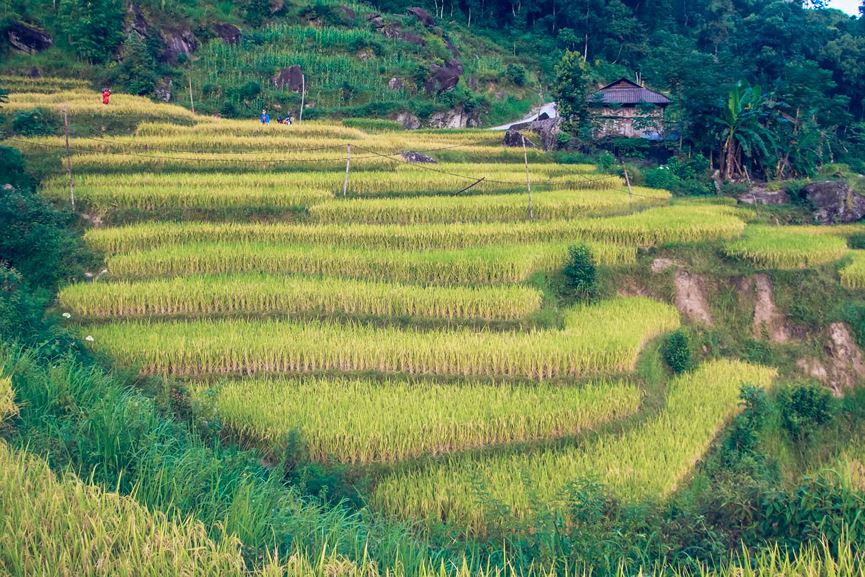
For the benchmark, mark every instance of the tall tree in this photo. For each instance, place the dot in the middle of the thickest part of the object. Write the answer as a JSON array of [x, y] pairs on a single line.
[[570, 91], [94, 28]]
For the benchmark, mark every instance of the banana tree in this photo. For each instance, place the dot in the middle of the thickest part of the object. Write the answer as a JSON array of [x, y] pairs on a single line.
[[744, 134]]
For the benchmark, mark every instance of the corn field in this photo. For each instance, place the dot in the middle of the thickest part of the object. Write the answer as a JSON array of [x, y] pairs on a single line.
[[257, 295], [363, 421], [647, 461]]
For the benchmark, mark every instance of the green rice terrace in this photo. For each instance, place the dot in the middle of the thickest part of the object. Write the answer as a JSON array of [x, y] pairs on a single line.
[[494, 364]]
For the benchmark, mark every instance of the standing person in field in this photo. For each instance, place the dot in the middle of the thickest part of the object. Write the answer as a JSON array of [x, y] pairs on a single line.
[[265, 117], [106, 95]]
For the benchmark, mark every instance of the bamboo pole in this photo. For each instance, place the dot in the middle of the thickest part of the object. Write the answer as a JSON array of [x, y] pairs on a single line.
[[528, 180], [69, 159], [347, 167]]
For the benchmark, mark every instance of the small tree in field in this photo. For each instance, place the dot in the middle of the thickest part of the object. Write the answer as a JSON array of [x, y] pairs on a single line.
[[570, 91], [580, 274]]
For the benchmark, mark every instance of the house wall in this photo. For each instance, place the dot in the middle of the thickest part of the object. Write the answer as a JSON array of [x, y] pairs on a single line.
[[627, 121]]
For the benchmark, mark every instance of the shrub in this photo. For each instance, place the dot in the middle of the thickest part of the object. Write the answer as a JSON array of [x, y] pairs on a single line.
[[804, 409], [36, 122], [580, 273], [677, 352], [516, 73]]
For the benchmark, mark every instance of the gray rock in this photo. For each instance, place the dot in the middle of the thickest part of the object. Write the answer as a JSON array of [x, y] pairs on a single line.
[[443, 78], [408, 120], [834, 202], [759, 195], [456, 118], [229, 33], [348, 15], [27, 38], [291, 78], [136, 20], [514, 139], [395, 84], [548, 132], [162, 90], [410, 156], [422, 15], [177, 42], [411, 38]]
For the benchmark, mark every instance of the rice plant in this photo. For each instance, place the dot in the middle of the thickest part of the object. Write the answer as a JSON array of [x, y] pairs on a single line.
[[256, 294], [648, 461], [789, 247], [654, 226], [364, 421], [599, 339], [473, 266], [853, 274]]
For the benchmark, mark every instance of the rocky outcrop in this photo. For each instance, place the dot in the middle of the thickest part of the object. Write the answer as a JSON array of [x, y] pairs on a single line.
[[768, 322], [547, 130], [27, 38], [417, 157], [514, 139], [163, 89], [456, 118], [408, 120], [834, 202], [136, 20], [691, 297], [422, 15], [759, 195], [443, 78], [229, 33], [177, 43], [843, 367], [395, 84], [290, 78]]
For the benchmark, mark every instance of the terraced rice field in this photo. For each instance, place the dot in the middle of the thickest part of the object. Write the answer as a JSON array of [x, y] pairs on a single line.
[[789, 247], [407, 328]]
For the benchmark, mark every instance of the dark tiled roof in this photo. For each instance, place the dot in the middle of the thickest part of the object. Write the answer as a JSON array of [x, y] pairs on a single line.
[[626, 92]]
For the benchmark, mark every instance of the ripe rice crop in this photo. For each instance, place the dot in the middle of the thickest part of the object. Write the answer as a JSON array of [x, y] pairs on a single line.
[[57, 526], [122, 198], [853, 274], [477, 266], [674, 223], [788, 247], [648, 461], [41, 83], [210, 128], [485, 208], [89, 103], [364, 421], [600, 339], [271, 295]]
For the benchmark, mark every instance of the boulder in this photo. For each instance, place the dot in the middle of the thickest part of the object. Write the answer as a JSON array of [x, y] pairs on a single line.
[[290, 78], [395, 84], [842, 367], [163, 89], [451, 47], [548, 132], [759, 195], [177, 42], [348, 15], [411, 38], [443, 78], [834, 202], [229, 33], [513, 138], [456, 118], [27, 38], [422, 15], [410, 156], [375, 19], [408, 120]]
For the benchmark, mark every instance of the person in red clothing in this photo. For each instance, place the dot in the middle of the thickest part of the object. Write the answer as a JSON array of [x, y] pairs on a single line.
[[106, 95]]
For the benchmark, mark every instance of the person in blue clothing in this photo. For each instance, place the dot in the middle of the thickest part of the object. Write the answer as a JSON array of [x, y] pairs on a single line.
[[265, 117]]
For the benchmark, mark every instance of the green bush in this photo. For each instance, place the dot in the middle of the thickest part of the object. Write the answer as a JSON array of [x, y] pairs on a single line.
[[580, 274], [804, 409], [517, 74], [35, 122], [677, 352]]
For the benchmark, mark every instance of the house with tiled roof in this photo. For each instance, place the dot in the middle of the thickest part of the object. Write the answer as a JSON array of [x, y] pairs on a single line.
[[627, 109]]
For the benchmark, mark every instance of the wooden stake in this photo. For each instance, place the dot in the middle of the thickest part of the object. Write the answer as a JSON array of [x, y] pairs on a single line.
[[528, 180], [347, 166], [191, 102], [628, 182], [69, 159], [303, 96]]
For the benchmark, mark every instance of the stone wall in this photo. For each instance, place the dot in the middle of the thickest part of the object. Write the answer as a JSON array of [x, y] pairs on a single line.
[[627, 121]]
